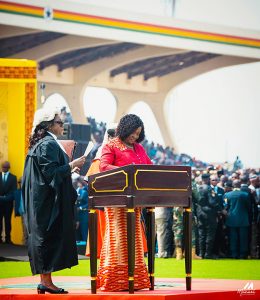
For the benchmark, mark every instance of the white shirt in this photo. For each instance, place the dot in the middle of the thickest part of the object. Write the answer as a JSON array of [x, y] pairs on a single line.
[[4, 176], [56, 139]]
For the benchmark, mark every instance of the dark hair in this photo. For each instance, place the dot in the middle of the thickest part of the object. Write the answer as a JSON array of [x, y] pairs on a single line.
[[244, 179], [111, 132], [236, 183], [39, 132], [228, 183], [127, 125]]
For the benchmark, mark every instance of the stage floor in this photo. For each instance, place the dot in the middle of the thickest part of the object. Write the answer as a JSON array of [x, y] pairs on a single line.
[[165, 288]]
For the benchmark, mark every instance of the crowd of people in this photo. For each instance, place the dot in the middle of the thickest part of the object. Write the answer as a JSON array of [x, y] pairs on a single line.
[[225, 204], [226, 218], [158, 154], [220, 224]]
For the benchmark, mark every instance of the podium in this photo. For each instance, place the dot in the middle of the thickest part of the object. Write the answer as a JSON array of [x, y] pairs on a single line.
[[140, 186]]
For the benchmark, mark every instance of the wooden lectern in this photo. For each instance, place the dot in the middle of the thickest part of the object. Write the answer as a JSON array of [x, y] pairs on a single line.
[[140, 186]]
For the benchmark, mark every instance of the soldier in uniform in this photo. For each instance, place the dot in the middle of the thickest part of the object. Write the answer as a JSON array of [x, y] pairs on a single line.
[[219, 247], [178, 231], [178, 225]]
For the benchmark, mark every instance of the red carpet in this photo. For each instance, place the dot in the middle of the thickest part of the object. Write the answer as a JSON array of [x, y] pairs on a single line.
[[168, 289]]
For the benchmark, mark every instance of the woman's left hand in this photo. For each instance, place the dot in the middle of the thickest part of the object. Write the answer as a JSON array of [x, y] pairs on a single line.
[[75, 170]]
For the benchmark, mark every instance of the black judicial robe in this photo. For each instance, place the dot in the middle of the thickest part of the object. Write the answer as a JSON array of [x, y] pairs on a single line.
[[49, 199]]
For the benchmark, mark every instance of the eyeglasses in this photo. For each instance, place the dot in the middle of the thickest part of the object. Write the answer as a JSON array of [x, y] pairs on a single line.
[[214, 180], [59, 122]]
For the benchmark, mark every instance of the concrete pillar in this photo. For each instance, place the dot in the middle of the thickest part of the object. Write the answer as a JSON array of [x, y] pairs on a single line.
[[125, 99], [157, 103]]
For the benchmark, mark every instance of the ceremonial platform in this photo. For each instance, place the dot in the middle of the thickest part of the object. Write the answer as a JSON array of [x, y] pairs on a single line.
[[169, 289]]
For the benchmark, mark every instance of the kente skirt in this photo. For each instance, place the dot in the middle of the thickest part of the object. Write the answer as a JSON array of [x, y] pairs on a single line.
[[113, 267]]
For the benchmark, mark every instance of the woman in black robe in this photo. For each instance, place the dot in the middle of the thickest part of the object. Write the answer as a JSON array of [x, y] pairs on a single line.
[[49, 199]]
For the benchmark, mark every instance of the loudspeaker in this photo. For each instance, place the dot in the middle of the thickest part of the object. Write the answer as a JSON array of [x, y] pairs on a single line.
[[80, 133], [76, 132]]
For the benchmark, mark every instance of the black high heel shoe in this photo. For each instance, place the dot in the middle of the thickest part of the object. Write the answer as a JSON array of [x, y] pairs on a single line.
[[41, 289]]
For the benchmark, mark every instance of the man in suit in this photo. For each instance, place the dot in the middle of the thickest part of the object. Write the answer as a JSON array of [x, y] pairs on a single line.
[[252, 215], [8, 185], [255, 229], [207, 209], [219, 247], [238, 211]]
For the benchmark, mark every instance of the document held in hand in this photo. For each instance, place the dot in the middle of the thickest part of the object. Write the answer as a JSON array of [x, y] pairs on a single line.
[[89, 148]]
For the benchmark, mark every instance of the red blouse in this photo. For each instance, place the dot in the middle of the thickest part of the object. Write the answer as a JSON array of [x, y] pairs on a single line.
[[116, 154]]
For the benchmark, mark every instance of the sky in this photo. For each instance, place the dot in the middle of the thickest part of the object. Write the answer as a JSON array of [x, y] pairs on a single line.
[[215, 117]]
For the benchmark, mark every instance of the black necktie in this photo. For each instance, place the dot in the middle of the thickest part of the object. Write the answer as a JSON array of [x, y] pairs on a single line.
[[5, 178]]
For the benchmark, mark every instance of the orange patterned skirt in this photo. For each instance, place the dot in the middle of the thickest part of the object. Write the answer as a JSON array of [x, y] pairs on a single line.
[[113, 267]]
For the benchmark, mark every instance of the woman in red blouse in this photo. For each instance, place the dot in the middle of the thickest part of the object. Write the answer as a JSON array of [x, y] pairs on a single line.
[[123, 150]]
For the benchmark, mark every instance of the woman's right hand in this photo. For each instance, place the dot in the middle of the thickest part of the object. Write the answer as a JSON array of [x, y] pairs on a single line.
[[77, 163]]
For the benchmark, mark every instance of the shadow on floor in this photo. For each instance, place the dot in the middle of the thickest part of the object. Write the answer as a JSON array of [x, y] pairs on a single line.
[[12, 252]]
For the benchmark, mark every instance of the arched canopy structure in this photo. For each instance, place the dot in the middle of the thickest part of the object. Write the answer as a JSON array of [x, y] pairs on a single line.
[[135, 56]]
